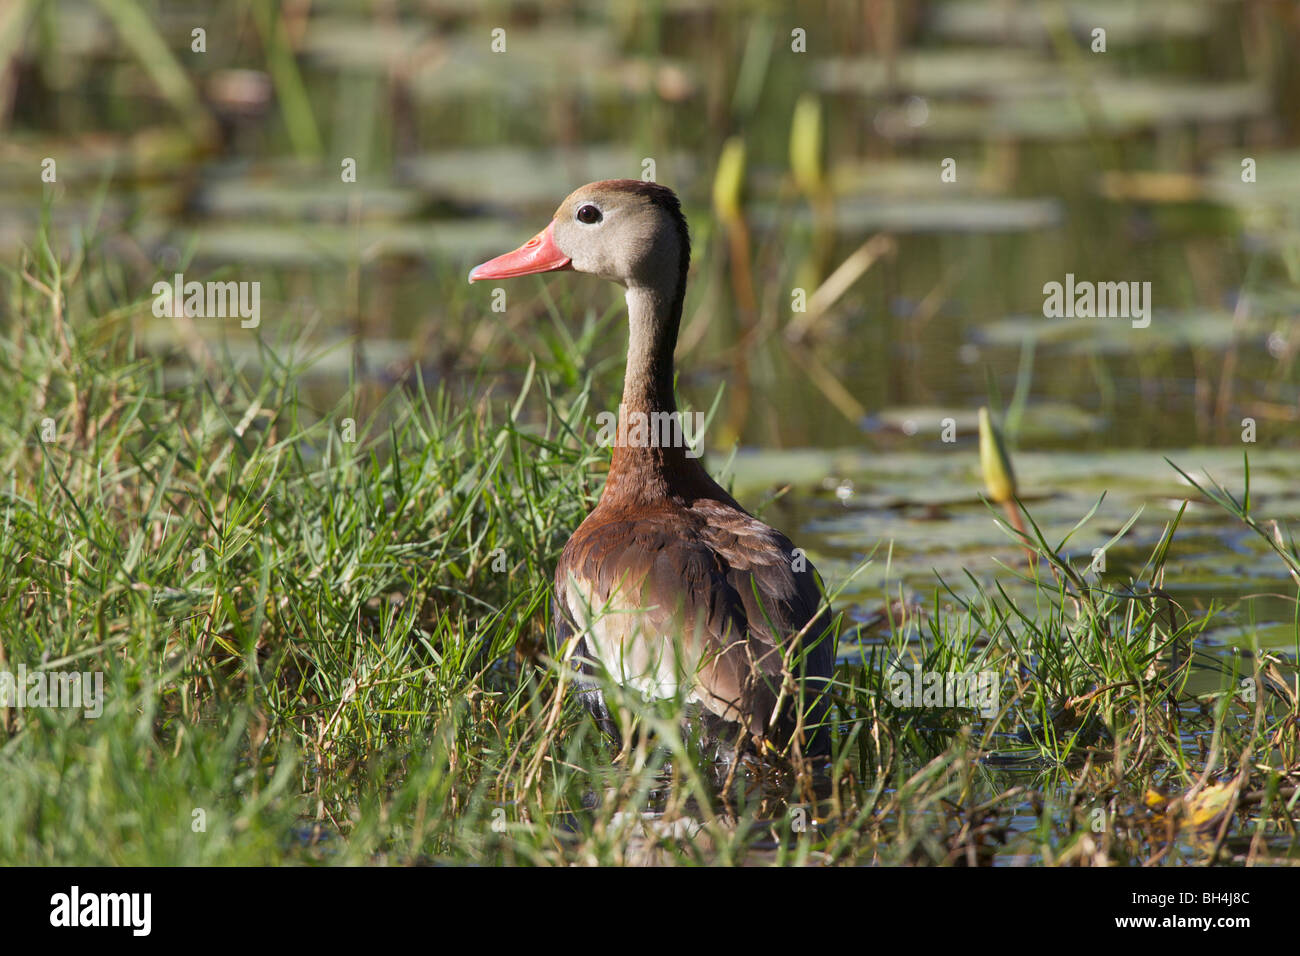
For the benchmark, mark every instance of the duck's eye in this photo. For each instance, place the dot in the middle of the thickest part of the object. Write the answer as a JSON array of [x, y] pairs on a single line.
[[589, 214]]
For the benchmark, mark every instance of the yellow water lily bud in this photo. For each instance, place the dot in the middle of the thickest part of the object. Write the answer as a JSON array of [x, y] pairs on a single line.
[[729, 180], [999, 478], [806, 145]]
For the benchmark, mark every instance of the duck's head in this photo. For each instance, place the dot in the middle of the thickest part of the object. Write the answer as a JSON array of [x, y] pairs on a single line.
[[620, 229]]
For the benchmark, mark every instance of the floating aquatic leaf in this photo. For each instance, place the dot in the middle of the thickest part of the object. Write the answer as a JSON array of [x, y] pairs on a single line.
[[513, 177], [858, 215], [991, 21]]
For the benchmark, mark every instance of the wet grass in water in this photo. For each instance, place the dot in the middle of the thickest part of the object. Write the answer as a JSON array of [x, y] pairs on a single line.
[[322, 634]]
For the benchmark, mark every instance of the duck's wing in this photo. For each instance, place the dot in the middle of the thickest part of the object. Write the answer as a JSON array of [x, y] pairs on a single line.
[[707, 595], [781, 596]]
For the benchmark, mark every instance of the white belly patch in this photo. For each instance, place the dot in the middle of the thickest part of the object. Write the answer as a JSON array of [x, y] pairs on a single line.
[[632, 644]]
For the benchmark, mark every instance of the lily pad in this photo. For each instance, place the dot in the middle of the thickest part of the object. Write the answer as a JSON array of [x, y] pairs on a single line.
[[998, 22], [514, 177], [858, 215]]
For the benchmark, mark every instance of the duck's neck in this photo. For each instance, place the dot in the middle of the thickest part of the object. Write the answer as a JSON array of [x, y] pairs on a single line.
[[650, 459], [652, 323]]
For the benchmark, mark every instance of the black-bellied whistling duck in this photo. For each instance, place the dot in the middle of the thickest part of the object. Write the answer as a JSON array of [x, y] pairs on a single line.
[[669, 580]]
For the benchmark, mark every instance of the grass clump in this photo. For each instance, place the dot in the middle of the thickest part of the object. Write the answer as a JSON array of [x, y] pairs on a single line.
[[321, 625]]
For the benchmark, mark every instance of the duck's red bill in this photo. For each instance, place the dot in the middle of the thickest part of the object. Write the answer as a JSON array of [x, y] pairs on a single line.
[[538, 254]]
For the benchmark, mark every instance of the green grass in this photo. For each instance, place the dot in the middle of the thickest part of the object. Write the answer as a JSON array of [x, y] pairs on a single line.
[[327, 647]]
